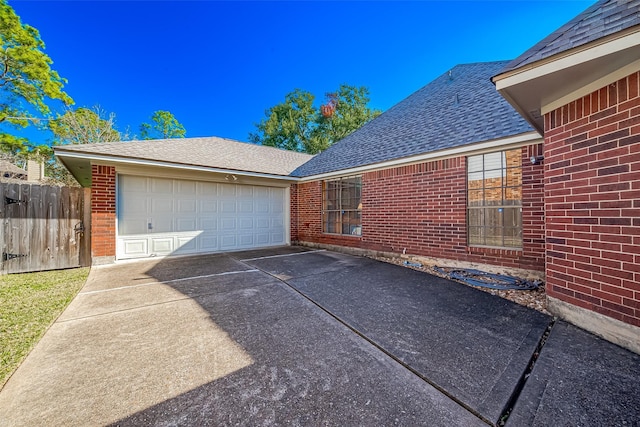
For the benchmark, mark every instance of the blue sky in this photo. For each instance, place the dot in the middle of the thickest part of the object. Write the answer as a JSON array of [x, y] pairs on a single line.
[[217, 66]]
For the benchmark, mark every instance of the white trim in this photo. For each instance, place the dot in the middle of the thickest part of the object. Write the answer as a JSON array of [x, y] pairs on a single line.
[[287, 215], [503, 144], [143, 162], [592, 87], [586, 53]]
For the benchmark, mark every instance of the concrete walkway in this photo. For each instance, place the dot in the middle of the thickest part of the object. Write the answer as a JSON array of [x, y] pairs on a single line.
[[297, 337]]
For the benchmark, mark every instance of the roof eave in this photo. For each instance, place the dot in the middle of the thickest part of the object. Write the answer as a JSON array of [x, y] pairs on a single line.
[[79, 164], [539, 87], [512, 141]]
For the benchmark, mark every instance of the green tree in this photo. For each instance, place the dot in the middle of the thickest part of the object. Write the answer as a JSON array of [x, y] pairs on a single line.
[[289, 125], [164, 125], [26, 77], [297, 125], [84, 126], [79, 126]]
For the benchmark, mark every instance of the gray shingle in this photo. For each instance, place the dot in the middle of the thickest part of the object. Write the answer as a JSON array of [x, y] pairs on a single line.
[[211, 152], [604, 18], [460, 107]]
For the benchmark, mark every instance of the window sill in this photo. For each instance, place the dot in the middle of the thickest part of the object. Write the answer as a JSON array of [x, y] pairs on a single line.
[[351, 236], [479, 248]]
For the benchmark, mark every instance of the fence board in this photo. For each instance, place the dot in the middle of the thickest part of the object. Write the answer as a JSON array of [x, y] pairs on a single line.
[[39, 233]]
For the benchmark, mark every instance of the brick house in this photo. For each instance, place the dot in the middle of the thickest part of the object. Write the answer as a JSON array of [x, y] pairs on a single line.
[[538, 177], [579, 87], [445, 174]]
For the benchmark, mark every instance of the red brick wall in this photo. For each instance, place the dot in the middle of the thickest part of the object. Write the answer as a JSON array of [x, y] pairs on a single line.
[[592, 177], [103, 211], [422, 209]]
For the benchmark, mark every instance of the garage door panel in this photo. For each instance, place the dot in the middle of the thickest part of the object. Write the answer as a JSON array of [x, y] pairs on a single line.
[[228, 241], [208, 224], [161, 245], [134, 183], [227, 224], [246, 240], [277, 238], [262, 238], [276, 208], [208, 243], [262, 223], [228, 190], [208, 206], [186, 206], [161, 225], [186, 224], [245, 191], [186, 244], [134, 247], [245, 207], [207, 189], [185, 187], [162, 206], [228, 206], [245, 223], [132, 226], [161, 186], [191, 216], [133, 203]]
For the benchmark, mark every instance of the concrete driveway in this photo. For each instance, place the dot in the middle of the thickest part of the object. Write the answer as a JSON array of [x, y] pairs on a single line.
[[290, 336]]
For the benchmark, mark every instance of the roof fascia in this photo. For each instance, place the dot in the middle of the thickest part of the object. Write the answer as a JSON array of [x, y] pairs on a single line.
[[503, 143], [104, 159], [585, 53]]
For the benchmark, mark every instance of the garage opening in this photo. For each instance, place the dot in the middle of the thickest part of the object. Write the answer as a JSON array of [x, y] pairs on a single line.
[[161, 216]]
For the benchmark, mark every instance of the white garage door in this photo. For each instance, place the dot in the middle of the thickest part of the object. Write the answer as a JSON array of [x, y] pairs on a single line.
[[169, 216]]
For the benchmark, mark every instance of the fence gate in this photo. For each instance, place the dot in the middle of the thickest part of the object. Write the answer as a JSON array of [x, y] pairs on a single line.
[[42, 227]]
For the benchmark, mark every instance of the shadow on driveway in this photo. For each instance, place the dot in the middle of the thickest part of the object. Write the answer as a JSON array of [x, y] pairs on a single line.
[[288, 336]]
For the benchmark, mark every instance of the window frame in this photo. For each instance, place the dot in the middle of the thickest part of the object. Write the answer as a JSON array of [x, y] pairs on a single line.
[[504, 235], [344, 215]]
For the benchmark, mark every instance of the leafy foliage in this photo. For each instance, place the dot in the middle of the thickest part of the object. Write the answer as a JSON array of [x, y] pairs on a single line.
[[289, 125], [164, 125], [297, 125], [80, 126], [84, 126], [26, 77], [26, 83]]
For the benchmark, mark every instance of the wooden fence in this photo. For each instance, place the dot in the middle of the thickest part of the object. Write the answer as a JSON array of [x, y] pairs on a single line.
[[43, 227]]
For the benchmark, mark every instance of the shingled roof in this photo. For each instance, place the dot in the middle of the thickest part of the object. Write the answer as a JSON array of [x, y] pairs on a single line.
[[604, 18], [460, 107], [210, 152]]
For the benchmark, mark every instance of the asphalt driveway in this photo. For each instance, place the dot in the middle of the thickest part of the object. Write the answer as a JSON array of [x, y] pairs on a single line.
[[290, 336]]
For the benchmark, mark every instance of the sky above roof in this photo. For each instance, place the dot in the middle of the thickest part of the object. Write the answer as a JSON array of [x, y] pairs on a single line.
[[217, 66]]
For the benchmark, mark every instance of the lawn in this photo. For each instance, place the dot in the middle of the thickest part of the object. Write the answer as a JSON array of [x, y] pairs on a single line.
[[29, 303]]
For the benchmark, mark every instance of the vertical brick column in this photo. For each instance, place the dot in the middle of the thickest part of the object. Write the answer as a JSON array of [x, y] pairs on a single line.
[[592, 206], [293, 211], [103, 214]]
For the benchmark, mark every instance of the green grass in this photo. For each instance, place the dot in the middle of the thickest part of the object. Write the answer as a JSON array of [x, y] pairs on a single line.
[[29, 303]]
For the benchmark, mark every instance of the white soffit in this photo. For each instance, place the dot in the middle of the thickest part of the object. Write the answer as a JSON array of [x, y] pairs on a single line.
[[571, 75]]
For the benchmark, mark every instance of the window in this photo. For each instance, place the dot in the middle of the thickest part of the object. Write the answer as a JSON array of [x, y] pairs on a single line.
[[494, 199], [342, 206]]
